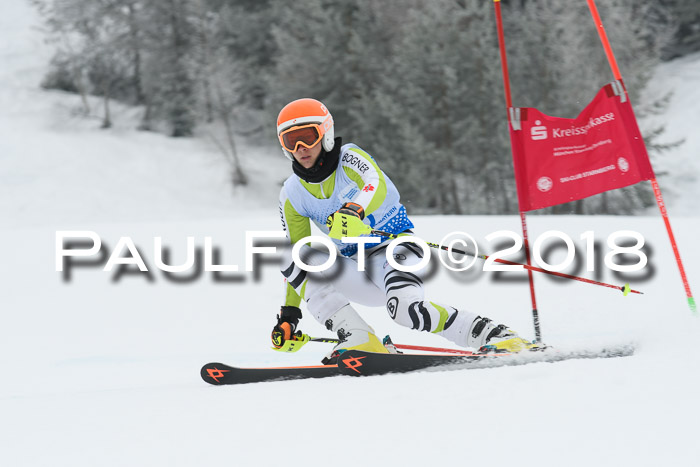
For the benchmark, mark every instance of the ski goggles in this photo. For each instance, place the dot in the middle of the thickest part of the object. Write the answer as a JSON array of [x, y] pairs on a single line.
[[307, 135]]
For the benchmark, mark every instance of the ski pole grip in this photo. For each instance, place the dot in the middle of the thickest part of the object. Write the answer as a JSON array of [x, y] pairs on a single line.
[[277, 339]]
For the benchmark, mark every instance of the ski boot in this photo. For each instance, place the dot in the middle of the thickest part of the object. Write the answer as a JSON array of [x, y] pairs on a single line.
[[490, 338], [353, 334]]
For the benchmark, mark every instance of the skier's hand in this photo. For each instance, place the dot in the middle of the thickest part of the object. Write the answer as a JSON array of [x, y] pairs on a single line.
[[347, 222], [286, 326]]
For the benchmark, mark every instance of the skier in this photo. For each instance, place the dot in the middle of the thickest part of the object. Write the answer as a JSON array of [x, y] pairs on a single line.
[[342, 190]]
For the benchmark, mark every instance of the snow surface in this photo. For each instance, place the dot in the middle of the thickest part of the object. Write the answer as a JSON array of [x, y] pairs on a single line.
[[101, 370]]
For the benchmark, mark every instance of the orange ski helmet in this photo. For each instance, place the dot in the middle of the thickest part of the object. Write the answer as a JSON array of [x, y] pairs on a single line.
[[304, 122]]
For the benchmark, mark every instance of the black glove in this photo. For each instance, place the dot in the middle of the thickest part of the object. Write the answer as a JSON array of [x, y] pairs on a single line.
[[287, 322]]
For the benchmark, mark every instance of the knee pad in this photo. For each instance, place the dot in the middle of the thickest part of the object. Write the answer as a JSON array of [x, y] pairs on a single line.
[[402, 289]]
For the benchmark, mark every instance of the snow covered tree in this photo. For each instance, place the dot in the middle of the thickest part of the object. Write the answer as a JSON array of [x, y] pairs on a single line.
[[220, 85], [329, 50], [95, 48], [439, 118], [685, 19], [243, 30], [415, 83], [169, 84]]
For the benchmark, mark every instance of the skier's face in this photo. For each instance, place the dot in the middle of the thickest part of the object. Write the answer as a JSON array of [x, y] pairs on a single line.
[[307, 157]]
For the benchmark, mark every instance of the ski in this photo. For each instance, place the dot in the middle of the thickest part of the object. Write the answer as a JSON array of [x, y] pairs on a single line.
[[359, 363], [219, 373]]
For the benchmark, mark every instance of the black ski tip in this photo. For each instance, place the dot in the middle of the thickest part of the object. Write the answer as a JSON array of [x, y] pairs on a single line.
[[214, 373]]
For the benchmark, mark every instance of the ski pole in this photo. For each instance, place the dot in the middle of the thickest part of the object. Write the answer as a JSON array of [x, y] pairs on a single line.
[[625, 288], [297, 341], [330, 340]]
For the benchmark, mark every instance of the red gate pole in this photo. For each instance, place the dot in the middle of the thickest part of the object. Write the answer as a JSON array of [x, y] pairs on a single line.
[[654, 184], [523, 221]]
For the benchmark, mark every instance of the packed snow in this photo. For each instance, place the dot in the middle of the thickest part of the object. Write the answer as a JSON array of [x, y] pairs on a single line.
[[103, 369]]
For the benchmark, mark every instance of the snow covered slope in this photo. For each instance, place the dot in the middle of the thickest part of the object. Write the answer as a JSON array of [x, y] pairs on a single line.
[[100, 369], [98, 372]]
